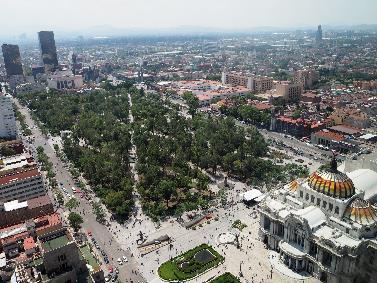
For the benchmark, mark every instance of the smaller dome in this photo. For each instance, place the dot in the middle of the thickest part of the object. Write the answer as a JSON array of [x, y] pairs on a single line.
[[361, 211], [292, 186]]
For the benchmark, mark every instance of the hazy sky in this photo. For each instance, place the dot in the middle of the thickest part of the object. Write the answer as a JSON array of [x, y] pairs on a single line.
[[74, 15]]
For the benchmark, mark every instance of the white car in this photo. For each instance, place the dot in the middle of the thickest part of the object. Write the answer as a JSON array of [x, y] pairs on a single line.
[[125, 259], [119, 261]]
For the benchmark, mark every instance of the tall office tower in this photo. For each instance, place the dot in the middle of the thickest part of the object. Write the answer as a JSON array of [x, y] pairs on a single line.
[[12, 59], [8, 128], [318, 36], [48, 49]]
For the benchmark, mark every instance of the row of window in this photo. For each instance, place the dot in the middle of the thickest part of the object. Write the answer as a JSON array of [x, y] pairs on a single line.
[[31, 180], [329, 206], [22, 191]]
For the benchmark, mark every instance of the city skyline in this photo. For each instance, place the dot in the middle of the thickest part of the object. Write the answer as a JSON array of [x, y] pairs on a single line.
[[138, 16]]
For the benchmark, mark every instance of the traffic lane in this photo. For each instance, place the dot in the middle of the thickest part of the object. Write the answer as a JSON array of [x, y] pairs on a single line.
[[113, 252], [307, 150]]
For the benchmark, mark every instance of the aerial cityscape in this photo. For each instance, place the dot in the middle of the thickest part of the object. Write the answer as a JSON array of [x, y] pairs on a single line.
[[208, 142]]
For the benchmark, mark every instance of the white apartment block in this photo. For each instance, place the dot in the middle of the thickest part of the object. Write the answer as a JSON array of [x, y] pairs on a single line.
[[8, 127], [22, 185], [254, 83]]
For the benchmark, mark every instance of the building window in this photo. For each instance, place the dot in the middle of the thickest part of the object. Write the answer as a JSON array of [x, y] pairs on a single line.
[[324, 204], [337, 210], [318, 201], [326, 259], [312, 198], [267, 223], [301, 194], [330, 206], [307, 196], [62, 257]]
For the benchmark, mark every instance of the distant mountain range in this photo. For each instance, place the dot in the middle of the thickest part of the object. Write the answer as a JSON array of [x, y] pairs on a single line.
[[102, 31]]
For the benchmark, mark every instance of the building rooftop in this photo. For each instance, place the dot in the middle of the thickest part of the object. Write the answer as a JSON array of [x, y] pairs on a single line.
[[330, 135], [15, 161], [38, 201], [90, 259], [55, 243], [345, 129], [20, 175], [29, 243], [14, 205]]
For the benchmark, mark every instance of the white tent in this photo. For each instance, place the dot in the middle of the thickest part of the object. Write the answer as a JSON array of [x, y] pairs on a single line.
[[253, 194]]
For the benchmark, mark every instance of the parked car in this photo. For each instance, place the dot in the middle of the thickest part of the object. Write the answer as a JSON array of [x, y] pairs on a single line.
[[124, 258], [119, 261]]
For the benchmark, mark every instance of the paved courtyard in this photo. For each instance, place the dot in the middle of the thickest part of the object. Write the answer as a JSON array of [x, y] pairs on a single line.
[[252, 259]]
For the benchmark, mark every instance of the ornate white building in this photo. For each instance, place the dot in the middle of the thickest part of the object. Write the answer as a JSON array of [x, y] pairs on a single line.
[[325, 225]]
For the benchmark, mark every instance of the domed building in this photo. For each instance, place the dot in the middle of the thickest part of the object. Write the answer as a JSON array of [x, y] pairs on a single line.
[[325, 225]]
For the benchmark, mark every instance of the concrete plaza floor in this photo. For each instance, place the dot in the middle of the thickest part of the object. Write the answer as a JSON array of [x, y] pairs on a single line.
[[252, 259]]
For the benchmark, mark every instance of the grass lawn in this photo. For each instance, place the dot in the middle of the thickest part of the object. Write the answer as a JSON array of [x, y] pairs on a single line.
[[226, 278], [190, 264]]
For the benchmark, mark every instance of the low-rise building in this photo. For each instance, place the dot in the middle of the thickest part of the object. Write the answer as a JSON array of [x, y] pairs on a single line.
[[350, 116], [310, 97], [14, 212], [15, 162], [12, 238], [296, 127], [333, 140], [14, 146]]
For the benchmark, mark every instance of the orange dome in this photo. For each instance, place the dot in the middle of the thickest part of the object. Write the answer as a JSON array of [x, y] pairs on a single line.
[[361, 211], [332, 183], [293, 186]]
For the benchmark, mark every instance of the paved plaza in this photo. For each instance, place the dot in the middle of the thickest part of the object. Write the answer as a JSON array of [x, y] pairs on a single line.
[[252, 259]]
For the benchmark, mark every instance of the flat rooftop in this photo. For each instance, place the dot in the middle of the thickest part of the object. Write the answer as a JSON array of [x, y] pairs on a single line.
[[90, 259], [18, 176], [55, 243]]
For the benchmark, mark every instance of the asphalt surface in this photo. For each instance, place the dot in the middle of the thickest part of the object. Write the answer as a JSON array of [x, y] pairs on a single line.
[[128, 272]]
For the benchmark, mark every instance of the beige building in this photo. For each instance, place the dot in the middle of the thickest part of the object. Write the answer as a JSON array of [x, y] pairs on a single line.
[[252, 82], [306, 78], [289, 91]]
